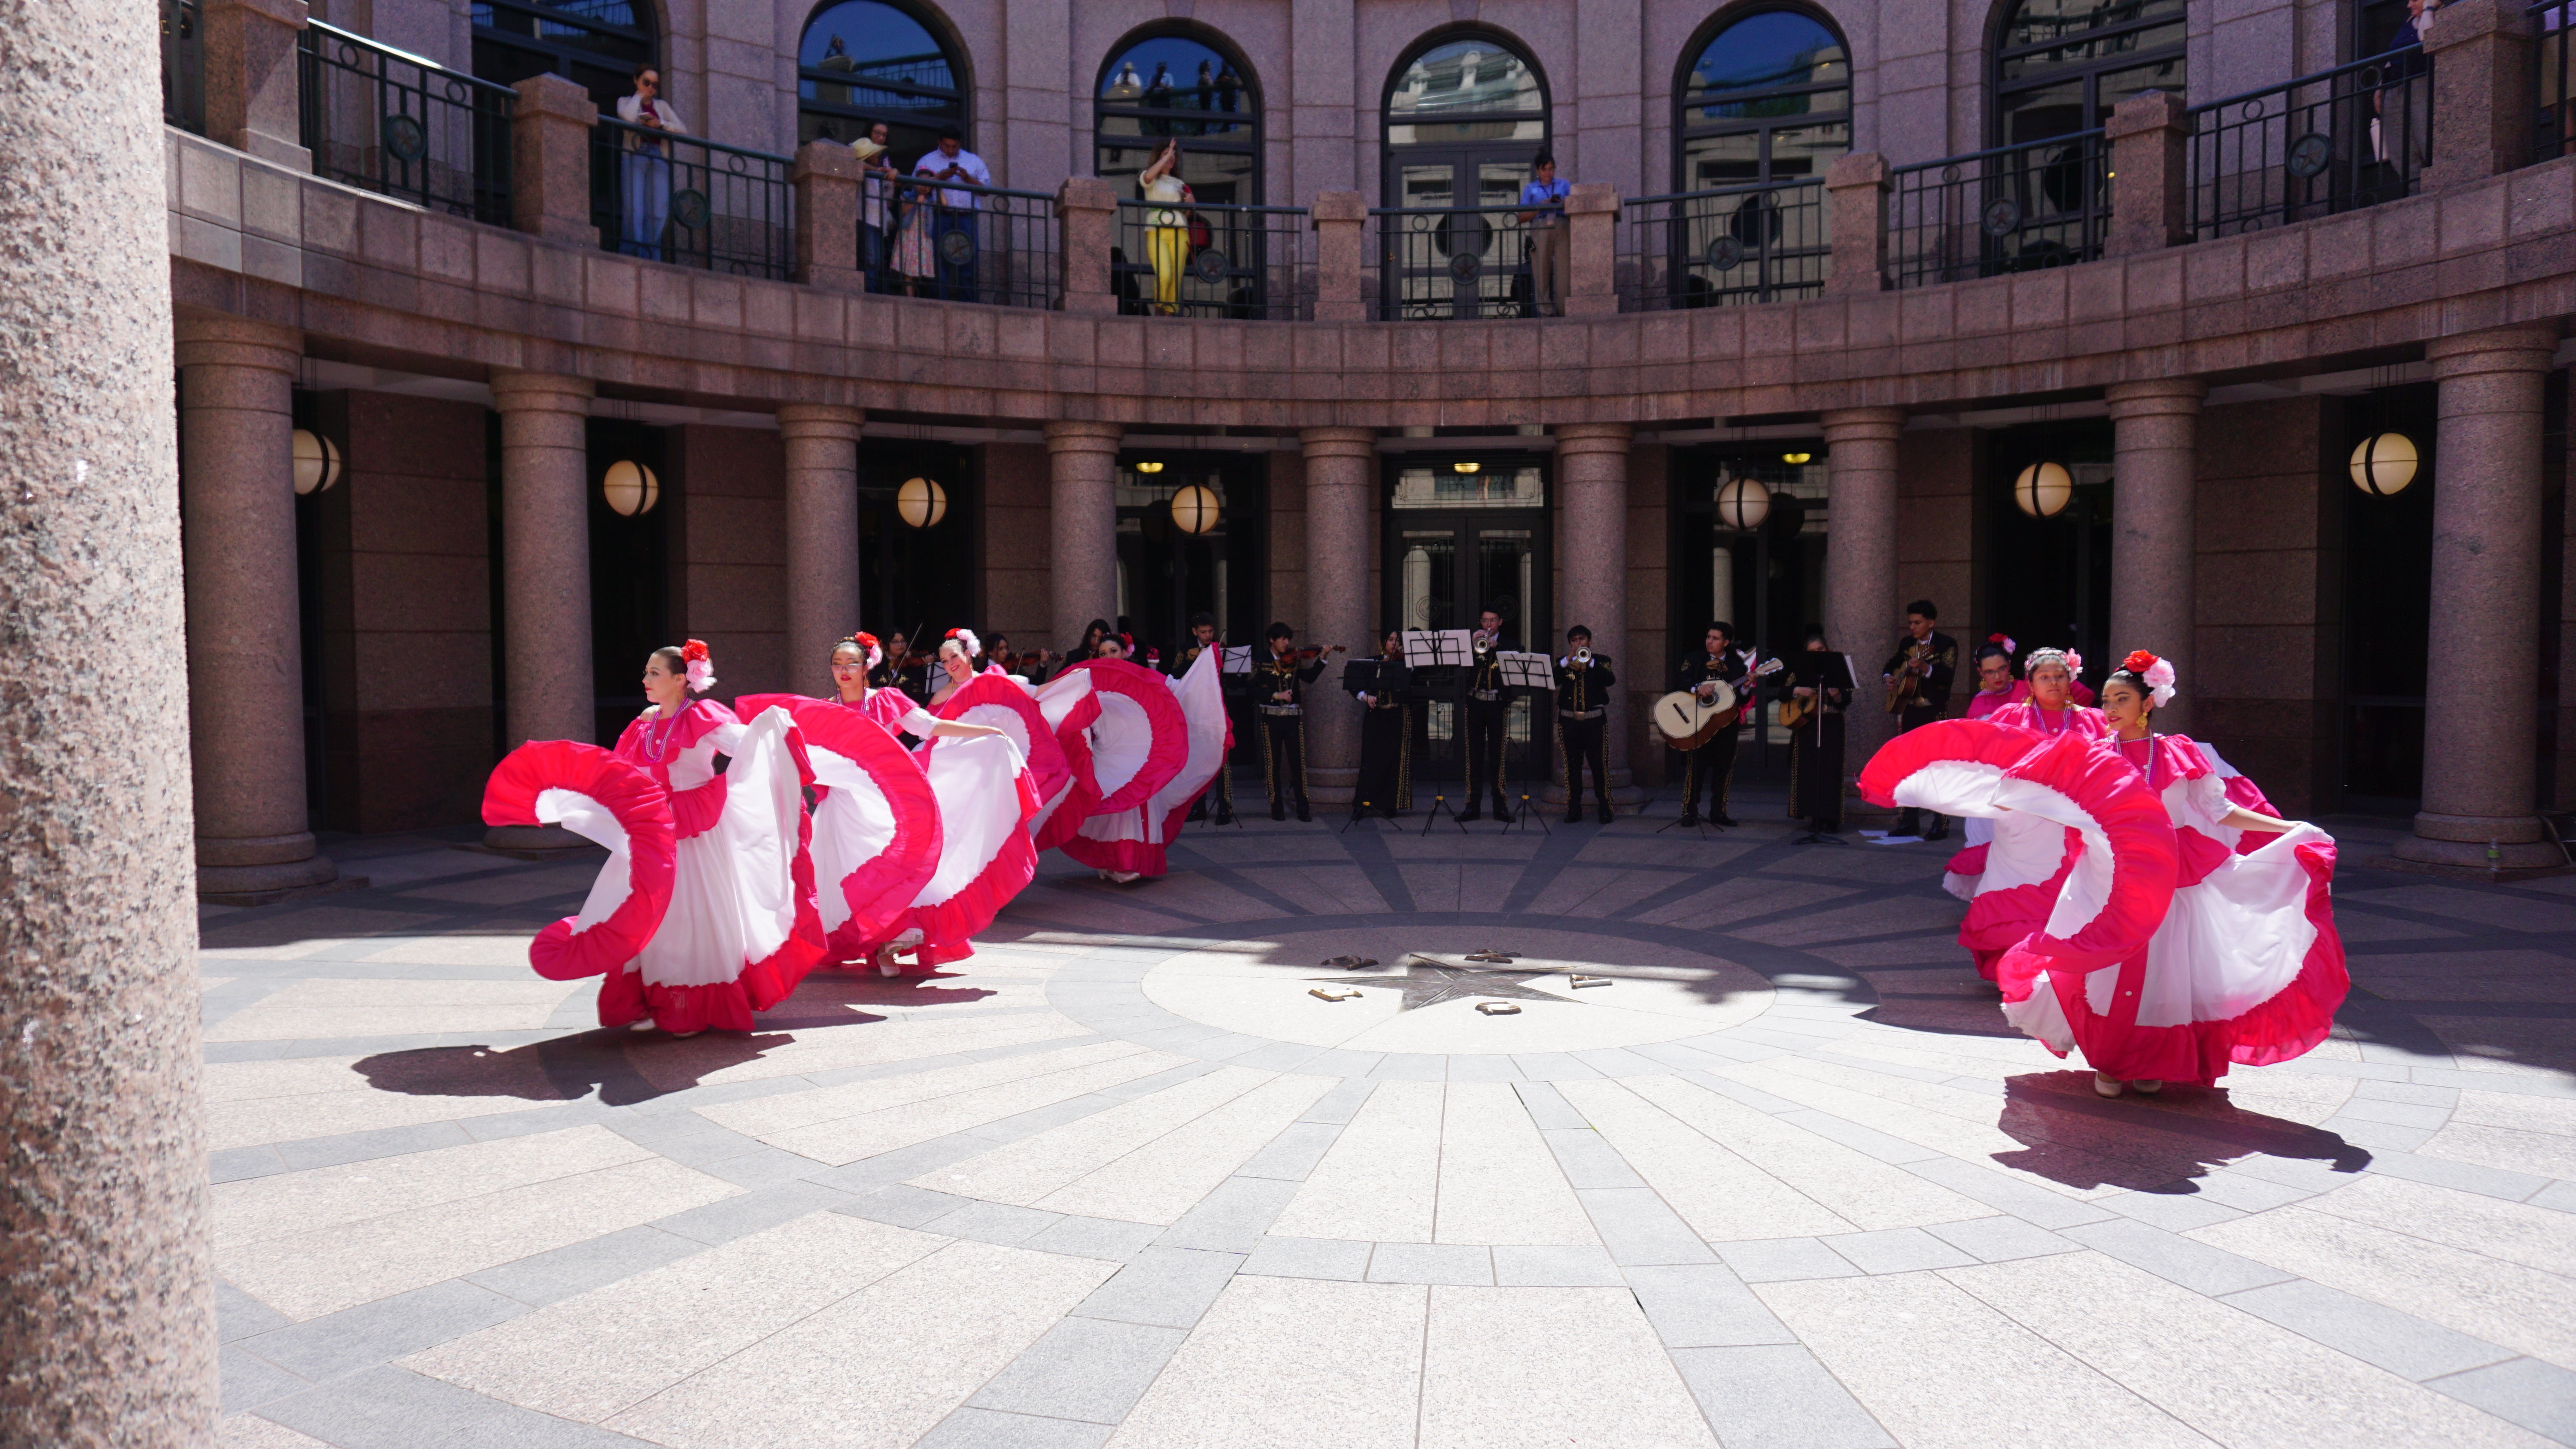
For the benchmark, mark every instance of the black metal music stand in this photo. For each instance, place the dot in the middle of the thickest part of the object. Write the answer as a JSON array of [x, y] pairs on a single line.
[[1532, 672]]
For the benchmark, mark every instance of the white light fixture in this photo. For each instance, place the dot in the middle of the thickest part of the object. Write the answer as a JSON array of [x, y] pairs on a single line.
[[1149, 466], [1194, 509], [317, 462], [2043, 490], [1794, 458], [1464, 467], [630, 488], [1742, 504], [2384, 464], [921, 502]]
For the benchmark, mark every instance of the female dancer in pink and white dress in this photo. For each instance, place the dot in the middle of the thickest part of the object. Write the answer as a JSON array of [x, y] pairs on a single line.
[[2246, 968], [1996, 686], [852, 659], [2047, 708], [2053, 708], [741, 928]]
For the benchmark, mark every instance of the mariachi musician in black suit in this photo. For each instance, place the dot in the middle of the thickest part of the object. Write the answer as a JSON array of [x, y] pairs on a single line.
[[1488, 707], [1583, 681], [1711, 767]]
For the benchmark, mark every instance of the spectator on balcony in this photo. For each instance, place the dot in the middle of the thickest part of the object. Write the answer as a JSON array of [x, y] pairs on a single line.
[[876, 204], [644, 171], [2401, 122], [952, 212], [1551, 260], [1167, 226]]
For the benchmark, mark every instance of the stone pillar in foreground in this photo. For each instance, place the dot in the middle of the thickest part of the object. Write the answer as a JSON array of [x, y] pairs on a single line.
[[2480, 729], [1341, 468], [1860, 569], [107, 1323], [1592, 502], [822, 447], [2154, 427], [545, 580], [1082, 498], [244, 643]]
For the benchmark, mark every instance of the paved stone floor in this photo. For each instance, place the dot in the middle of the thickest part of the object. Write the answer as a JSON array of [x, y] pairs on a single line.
[[1783, 1180]]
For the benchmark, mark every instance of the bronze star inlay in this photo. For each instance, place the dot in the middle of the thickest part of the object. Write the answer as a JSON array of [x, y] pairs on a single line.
[[1426, 982]]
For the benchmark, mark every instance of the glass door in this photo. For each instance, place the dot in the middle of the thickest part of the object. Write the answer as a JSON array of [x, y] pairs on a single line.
[[1464, 535]]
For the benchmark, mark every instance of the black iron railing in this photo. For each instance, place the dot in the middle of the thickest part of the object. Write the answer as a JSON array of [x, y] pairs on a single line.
[[2335, 141], [1453, 263], [2015, 208], [1251, 263], [2553, 129], [1723, 248], [678, 199], [965, 243], [183, 65], [394, 123]]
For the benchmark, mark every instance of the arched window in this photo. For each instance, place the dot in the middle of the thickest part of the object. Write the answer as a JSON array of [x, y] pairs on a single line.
[[1162, 87], [864, 61], [2061, 65], [1767, 98], [1464, 117], [597, 44]]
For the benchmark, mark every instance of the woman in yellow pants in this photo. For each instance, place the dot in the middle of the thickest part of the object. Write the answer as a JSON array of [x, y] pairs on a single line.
[[1167, 226]]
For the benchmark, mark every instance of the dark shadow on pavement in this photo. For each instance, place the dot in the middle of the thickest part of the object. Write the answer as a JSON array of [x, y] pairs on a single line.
[[2148, 1144]]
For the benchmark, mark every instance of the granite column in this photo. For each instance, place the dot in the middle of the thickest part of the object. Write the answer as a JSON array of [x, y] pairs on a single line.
[[2154, 432], [1860, 567], [1341, 469], [1592, 513], [822, 448], [545, 581], [1082, 497]]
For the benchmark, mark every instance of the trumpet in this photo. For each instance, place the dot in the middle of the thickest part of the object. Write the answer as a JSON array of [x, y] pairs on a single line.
[[1583, 655], [1484, 644]]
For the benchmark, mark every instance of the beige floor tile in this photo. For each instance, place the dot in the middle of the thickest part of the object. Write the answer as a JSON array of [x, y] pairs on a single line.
[[1723, 1197], [879, 1368], [1520, 1368], [250, 1431], [1291, 1363], [1850, 1183], [1024, 1171], [1943, 1371], [1165, 1178], [710, 1060], [324, 1007], [592, 1355], [2521, 1113], [500, 947], [786, 1111], [2242, 1381], [2547, 1154], [866, 1134], [1381, 1178], [304, 1275], [258, 1208], [2535, 1237], [1499, 1185], [209, 983], [1739, 900], [2501, 1302]]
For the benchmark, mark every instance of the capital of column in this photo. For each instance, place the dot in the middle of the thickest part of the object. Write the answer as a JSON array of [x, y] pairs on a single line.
[[2158, 397], [1862, 425], [2525, 348], [821, 420], [1579, 438], [1080, 435], [223, 340], [541, 392], [1337, 442]]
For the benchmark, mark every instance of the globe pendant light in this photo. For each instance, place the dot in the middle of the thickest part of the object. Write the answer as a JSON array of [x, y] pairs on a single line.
[[317, 463], [1742, 504], [630, 488], [921, 503], [2384, 464], [1195, 509], [2043, 490]]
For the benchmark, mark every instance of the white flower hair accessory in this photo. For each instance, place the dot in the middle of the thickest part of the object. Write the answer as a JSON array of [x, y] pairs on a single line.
[[700, 669], [967, 641], [2157, 674]]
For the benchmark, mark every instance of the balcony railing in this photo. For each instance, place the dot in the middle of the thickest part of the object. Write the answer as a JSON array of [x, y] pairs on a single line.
[[966, 243], [389, 122], [1251, 263], [1723, 248], [183, 65], [672, 198], [2341, 139], [1452, 263], [2553, 130], [2017, 208]]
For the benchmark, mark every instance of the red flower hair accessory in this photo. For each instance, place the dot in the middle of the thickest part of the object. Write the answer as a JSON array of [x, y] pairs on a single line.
[[2005, 640], [701, 672], [967, 641], [2138, 661], [867, 648]]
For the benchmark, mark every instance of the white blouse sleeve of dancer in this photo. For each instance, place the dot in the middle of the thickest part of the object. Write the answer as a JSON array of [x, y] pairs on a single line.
[[919, 722], [696, 765], [2206, 799]]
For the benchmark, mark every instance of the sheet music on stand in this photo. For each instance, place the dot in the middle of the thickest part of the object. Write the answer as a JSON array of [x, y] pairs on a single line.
[[1526, 671], [1234, 659], [1375, 676], [1437, 648]]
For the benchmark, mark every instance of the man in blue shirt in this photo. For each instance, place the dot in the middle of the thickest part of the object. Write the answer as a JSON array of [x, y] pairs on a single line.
[[1551, 259]]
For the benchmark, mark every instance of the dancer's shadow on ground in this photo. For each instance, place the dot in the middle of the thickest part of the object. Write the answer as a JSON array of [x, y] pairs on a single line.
[[2148, 1144]]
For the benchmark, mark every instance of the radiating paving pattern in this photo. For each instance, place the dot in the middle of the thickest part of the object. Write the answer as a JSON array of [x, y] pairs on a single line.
[[1783, 1179]]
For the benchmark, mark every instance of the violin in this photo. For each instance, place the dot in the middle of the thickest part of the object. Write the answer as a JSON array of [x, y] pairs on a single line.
[[1308, 656]]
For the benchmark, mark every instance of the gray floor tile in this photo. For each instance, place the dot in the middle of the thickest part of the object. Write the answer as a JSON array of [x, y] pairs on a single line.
[[2540, 1397], [1165, 1287], [2560, 1196], [1411, 1067], [2247, 1193], [1095, 1238], [1432, 1263], [972, 1428], [1129, 1091], [1561, 1267], [234, 1164], [1639, 1229], [1777, 1397], [2374, 1333], [2175, 1212], [1551, 1067], [1041, 1119], [2415, 1093], [1896, 1250], [2194, 1265], [1619, 1062], [338, 1344], [1704, 1305], [1341, 1104], [751, 1212], [1588, 1160], [2006, 1194], [767, 1167], [1548, 1108], [2465, 1176], [1339, 1063], [238, 1315], [552, 1277], [248, 1381], [1782, 1260], [1997, 1240], [1233, 1217], [1471, 1067], [1083, 1368], [2399, 1114], [391, 1408], [888, 1168], [1753, 1097], [1339, 1259], [1293, 1153], [1860, 1139], [903, 1205], [993, 1222]]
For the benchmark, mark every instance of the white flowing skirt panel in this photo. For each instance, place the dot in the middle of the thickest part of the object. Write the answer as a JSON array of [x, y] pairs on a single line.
[[733, 895]]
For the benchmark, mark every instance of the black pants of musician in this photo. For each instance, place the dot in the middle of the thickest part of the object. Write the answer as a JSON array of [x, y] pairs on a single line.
[[1583, 746], [1386, 759], [1486, 737], [1910, 821], [1283, 762], [1218, 796], [1816, 773], [1709, 770]]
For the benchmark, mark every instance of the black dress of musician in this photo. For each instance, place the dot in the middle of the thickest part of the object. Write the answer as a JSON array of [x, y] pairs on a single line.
[[1488, 707], [901, 672], [1820, 679], [1931, 658], [1386, 742], [1583, 681], [1279, 687], [1711, 767], [1202, 639]]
